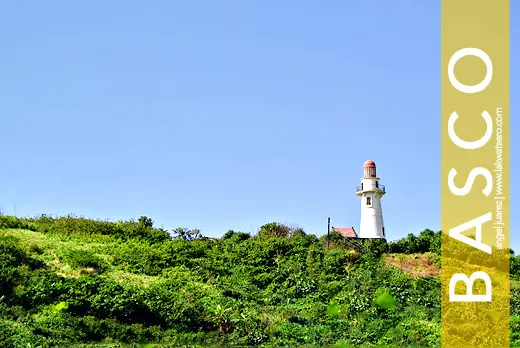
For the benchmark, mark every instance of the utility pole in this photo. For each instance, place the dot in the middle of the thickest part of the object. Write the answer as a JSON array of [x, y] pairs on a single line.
[[328, 232]]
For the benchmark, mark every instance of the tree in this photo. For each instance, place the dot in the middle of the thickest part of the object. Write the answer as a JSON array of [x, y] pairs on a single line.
[[186, 234], [277, 230], [145, 221]]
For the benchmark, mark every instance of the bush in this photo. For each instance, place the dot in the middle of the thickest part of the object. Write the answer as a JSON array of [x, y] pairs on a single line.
[[123, 230], [15, 222], [428, 241], [235, 236], [83, 259], [35, 248], [280, 288], [277, 230], [376, 246], [514, 268]]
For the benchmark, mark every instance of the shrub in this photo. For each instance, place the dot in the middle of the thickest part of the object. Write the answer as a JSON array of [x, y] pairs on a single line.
[[124, 230], [427, 241], [280, 288], [277, 230], [83, 259], [15, 222], [376, 246], [235, 236], [35, 248], [186, 234]]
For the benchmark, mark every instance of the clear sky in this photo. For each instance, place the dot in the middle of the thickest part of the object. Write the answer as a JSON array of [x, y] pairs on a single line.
[[226, 115]]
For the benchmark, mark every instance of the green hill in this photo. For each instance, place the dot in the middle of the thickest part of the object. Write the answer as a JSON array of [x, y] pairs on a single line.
[[75, 282]]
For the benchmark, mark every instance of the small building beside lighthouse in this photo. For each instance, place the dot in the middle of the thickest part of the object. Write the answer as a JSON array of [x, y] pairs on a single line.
[[370, 192]]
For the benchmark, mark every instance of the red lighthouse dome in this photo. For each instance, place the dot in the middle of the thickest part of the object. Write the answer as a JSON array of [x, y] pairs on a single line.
[[369, 168]]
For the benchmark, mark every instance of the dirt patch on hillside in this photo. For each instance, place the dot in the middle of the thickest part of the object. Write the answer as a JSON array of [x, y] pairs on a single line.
[[417, 265]]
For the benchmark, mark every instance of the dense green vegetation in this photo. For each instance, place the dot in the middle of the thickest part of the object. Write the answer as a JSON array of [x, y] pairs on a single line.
[[76, 282]]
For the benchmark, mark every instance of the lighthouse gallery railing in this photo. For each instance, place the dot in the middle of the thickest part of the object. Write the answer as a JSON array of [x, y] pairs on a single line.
[[380, 188]]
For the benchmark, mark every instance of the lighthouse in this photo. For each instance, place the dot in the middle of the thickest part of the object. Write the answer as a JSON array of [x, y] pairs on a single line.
[[371, 191]]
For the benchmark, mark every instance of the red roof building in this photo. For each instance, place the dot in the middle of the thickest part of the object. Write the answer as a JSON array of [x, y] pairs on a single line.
[[347, 232]]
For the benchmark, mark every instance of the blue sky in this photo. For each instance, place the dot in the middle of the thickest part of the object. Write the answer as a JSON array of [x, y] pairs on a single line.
[[226, 115]]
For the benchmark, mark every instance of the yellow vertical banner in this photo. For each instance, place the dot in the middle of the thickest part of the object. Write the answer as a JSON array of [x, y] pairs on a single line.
[[475, 173]]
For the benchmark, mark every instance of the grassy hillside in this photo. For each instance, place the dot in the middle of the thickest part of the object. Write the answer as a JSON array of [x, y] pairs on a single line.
[[75, 282]]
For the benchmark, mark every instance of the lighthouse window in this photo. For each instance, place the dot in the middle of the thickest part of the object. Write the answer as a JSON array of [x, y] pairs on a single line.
[[383, 231], [369, 200], [377, 184]]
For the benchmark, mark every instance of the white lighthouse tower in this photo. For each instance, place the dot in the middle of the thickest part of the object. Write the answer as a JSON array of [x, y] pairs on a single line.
[[371, 192]]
